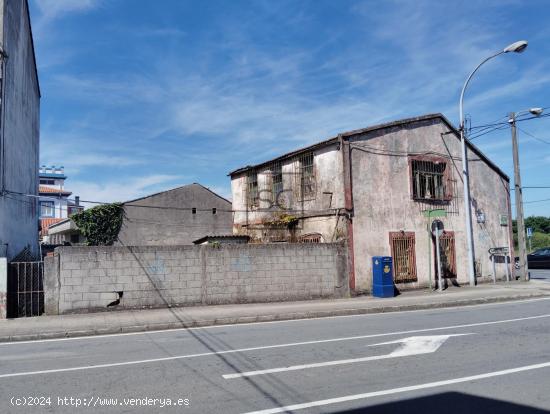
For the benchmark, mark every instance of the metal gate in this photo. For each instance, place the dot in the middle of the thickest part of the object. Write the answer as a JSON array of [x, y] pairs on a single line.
[[404, 256], [25, 289], [448, 254]]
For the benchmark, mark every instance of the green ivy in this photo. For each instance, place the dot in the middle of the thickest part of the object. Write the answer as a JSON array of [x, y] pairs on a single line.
[[100, 225]]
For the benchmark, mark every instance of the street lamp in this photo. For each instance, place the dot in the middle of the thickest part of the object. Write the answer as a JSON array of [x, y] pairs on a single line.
[[516, 47], [523, 274]]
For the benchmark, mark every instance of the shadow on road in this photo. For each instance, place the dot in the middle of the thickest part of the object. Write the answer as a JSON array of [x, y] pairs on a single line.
[[214, 344], [447, 403]]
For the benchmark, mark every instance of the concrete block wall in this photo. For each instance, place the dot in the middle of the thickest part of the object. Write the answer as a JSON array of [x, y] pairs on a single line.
[[79, 279]]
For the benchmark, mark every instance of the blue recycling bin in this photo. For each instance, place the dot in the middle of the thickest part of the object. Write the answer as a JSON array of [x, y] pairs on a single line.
[[382, 277]]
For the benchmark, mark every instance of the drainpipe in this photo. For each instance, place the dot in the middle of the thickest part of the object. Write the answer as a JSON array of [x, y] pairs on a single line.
[[348, 205], [510, 235], [3, 57]]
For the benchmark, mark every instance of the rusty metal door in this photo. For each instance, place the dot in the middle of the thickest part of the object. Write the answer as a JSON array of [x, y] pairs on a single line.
[[448, 254], [404, 256], [25, 289]]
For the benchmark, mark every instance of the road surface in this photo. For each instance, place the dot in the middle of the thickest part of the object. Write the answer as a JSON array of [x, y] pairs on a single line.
[[491, 358], [540, 274]]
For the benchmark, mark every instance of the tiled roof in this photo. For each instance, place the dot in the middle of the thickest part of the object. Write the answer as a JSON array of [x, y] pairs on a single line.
[[348, 134], [51, 190], [47, 222], [214, 237]]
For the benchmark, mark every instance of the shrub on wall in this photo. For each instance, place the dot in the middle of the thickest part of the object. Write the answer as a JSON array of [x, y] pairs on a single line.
[[101, 224]]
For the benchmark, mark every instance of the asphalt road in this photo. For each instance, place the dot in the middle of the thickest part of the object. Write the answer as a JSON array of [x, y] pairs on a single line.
[[486, 359], [540, 274]]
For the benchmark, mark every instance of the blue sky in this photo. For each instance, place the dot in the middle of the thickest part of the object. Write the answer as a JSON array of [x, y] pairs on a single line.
[[140, 96]]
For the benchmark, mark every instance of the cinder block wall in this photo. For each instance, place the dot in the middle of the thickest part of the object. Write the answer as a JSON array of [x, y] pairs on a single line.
[[80, 279]]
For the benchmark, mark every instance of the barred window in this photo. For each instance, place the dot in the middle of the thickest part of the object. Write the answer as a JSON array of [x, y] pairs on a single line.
[[252, 189], [429, 179], [276, 180], [310, 238], [307, 176]]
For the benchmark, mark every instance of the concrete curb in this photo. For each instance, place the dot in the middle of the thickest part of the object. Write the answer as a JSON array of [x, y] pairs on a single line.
[[264, 318]]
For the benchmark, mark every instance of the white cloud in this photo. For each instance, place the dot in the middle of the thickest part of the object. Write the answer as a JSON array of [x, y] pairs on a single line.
[[225, 191], [52, 10], [123, 190], [251, 99]]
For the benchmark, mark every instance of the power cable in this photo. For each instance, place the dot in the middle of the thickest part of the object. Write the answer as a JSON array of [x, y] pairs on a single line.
[[533, 136]]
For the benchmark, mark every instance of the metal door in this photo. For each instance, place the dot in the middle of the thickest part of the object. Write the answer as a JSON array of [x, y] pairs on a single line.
[[25, 289], [448, 254], [404, 257]]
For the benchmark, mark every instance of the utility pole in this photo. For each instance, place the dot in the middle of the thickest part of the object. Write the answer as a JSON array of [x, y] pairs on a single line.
[[523, 273], [516, 47]]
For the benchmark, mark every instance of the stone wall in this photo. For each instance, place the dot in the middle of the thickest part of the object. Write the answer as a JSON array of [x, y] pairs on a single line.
[[168, 218], [80, 279]]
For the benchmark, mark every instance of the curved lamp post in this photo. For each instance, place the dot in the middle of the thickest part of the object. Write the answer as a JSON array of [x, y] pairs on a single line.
[[516, 47], [523, 273]]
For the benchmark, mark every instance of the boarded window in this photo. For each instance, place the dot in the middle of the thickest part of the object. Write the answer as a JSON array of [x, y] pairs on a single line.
[[404, 256], [429, 179], [307, 176], [252, 189]]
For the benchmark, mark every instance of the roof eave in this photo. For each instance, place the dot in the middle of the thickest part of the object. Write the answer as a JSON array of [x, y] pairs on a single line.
[[348, 134]]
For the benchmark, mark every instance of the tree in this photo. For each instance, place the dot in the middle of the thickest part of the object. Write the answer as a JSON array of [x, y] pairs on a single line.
[[539, 224], [541, 231], [540, 240]]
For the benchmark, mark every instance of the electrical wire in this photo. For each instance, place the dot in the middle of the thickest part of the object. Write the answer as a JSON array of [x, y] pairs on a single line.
[[190, 209], [533, 136], [488, 132], [481, 130], [536, 201]]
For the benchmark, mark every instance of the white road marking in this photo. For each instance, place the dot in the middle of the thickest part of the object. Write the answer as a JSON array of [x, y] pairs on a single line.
[[414, 345], [258, 348], [329, 401], [245, 324]]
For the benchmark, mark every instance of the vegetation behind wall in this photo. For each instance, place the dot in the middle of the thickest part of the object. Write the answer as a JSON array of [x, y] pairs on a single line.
[[100, 225]]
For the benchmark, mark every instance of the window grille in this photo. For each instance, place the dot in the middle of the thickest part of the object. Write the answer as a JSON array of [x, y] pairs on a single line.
[[276, 181], [252, 189], [307, 176], [404, 256], [310, 238], [448, 255], [429, 180]]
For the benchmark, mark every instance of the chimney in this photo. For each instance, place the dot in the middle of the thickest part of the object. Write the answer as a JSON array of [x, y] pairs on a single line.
[[77, 200]]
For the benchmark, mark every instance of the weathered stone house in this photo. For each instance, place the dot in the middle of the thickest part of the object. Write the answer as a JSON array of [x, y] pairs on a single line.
[[375, 188], [177, 216], [173, 217]]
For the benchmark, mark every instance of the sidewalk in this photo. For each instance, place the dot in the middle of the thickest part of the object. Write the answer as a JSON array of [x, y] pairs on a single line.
[[111, 322]]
